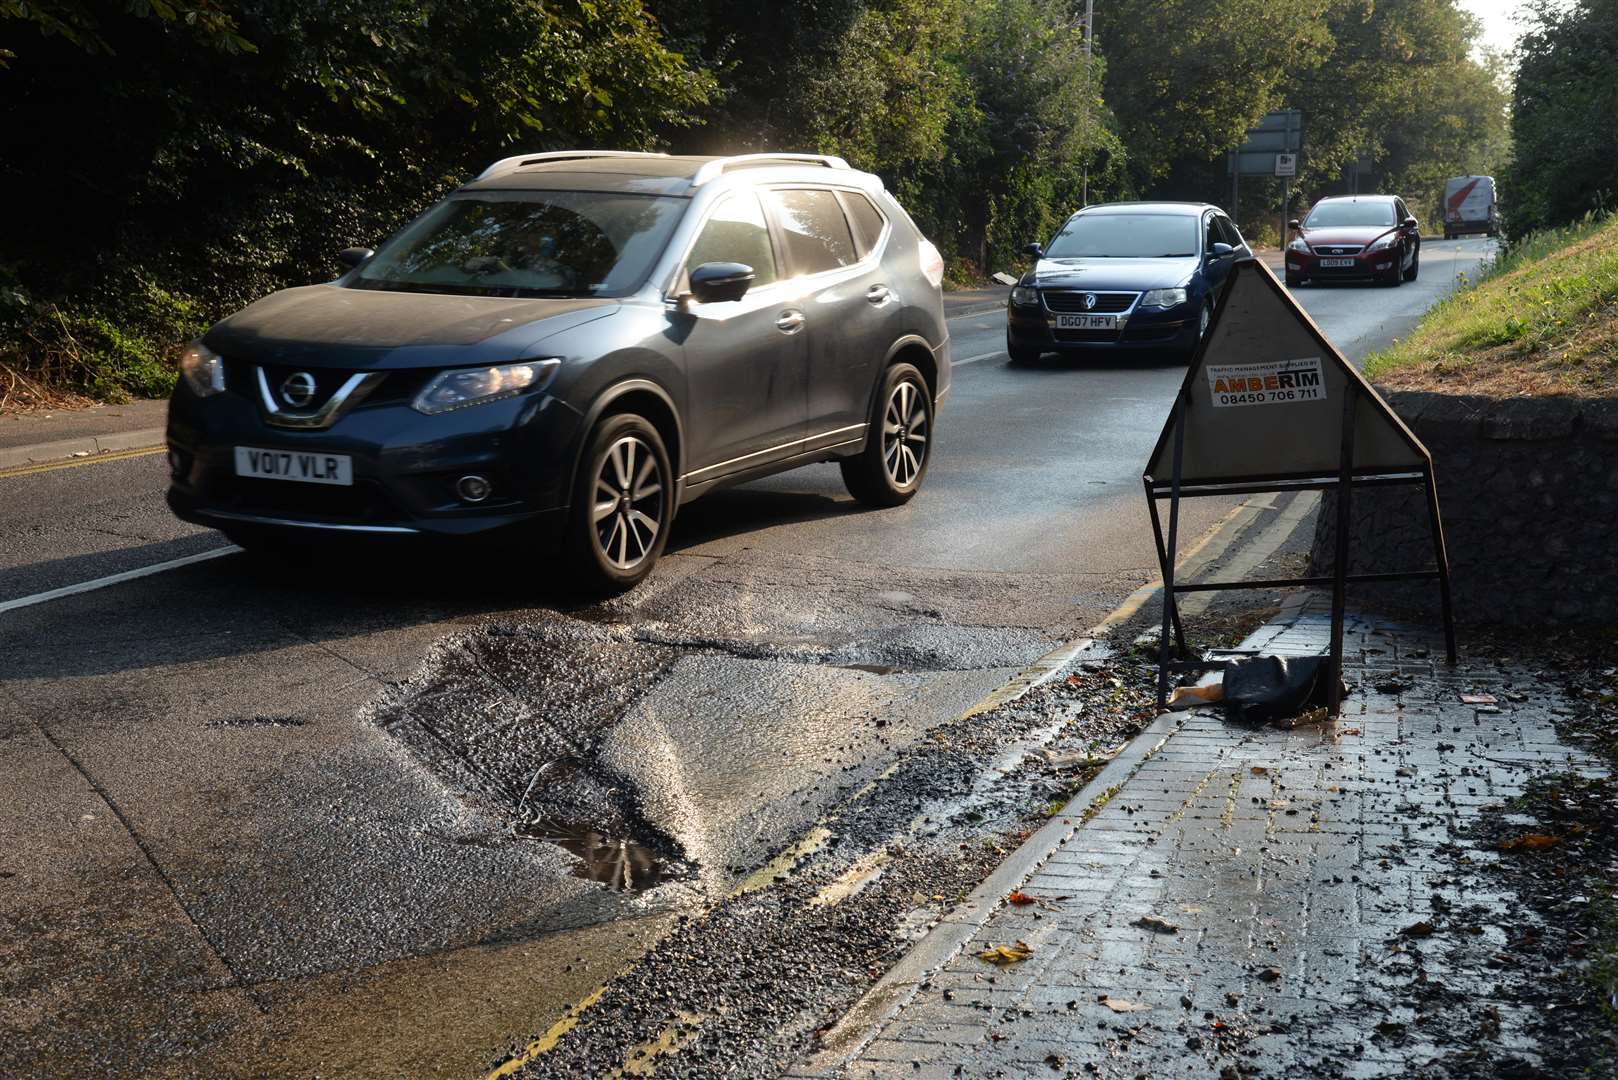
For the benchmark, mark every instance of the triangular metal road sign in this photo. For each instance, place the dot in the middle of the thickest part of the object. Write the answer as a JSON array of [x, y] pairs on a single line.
[[1269, 404], [1264, 397]]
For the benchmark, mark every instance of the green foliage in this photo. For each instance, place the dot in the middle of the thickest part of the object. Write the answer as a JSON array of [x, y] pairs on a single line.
[[1564, 115], [151, 154], [1542, 319], [79, 24], [168, 161], [990, 113], [1396, 81], [1187, 78]]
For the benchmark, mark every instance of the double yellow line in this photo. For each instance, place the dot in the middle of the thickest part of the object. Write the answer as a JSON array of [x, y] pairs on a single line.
[[73, 463]]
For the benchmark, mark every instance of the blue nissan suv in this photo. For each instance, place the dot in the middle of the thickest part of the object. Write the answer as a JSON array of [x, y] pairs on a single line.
[[570, 347], [1124, 276]]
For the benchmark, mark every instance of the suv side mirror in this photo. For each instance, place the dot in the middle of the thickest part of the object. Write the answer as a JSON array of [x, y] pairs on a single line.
[[1295, 225], [1410, 223], [352, 257], [1036, 250], [1220, 251], [717, 282]]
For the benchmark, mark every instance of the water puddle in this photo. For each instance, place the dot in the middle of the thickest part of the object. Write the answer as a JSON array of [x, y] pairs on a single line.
[[621, 865]]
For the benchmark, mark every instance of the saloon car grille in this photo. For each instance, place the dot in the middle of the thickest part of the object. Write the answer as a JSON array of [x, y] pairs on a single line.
[[1085, 335], [1071, 301], [1336, 249]]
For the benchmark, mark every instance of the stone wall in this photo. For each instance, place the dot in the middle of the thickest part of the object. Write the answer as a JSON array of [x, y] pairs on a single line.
[[1528, 488]]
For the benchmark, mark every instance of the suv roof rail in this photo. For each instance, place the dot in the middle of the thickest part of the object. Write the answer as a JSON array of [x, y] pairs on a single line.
[[507, 164], [713, 170]]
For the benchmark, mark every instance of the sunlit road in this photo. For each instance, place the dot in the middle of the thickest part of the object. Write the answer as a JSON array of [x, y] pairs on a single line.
[[256, 818]]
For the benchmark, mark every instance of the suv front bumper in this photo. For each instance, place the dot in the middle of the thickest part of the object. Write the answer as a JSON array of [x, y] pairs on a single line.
[[405, 467]]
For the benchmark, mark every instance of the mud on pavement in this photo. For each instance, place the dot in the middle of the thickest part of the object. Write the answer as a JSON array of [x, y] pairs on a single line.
[[782, 758], [742, 988]]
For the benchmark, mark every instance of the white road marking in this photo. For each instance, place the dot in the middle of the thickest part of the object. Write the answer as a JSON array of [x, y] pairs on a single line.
[[114, 579], [974, 359]]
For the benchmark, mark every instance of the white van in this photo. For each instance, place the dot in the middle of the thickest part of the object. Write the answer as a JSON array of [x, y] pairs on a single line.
[[1470, 206]]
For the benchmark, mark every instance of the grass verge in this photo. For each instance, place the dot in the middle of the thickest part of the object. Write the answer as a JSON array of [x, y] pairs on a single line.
[[1542, 320]]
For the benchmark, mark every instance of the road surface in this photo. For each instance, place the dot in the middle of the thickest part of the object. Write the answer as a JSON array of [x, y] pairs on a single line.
[[360, 817]]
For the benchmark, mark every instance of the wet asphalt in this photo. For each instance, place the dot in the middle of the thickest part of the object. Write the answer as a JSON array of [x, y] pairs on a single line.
[[385, 814]]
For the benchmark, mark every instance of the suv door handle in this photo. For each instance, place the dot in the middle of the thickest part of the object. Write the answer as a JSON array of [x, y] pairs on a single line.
[[790, 322], [877, 294]]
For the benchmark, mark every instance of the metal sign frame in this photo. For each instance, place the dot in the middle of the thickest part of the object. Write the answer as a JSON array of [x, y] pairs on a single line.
[[1357, 394]]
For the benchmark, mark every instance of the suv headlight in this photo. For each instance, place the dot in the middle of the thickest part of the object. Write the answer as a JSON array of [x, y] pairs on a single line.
[[1163, 298], [1298, 245], [1024, 296], [463, 387], [204, 371]]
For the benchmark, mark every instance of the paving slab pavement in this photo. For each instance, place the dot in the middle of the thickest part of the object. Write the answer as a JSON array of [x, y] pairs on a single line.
[[30, 438], [1290, 865]]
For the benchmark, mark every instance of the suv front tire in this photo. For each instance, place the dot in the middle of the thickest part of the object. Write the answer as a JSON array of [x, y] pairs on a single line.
[[623, 505], [889, 471]]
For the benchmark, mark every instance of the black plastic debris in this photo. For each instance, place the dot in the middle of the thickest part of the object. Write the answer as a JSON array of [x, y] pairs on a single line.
[[1271, 689]]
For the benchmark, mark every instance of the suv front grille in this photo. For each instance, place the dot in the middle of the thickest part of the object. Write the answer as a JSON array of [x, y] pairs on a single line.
[[1071, 301], [362, 504]]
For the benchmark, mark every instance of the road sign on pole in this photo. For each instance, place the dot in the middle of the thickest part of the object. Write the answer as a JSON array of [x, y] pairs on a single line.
[[1286, 164]]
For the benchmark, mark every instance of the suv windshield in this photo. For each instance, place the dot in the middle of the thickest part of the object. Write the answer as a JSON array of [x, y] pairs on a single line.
[[527, 243], [1328, 214], [1126, 236]]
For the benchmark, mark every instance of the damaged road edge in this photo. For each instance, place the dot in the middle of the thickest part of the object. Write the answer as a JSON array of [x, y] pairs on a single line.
[[866, 1018]]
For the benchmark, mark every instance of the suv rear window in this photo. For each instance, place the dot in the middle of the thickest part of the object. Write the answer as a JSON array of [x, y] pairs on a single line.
[[867, 220], [817, 233]]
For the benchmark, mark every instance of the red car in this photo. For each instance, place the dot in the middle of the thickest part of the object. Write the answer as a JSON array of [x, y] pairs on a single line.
[[1355, 238]]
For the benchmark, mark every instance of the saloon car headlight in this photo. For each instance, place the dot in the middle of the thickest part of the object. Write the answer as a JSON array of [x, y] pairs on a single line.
[[1023, 296], [204, 371], [1298, 245], [1387, 240], [1163, 298], [463, 387]]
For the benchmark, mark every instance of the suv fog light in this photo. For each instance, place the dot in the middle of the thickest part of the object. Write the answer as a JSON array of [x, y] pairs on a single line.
[[473, 489]]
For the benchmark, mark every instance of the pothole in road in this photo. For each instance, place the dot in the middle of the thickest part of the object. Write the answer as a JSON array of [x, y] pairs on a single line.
[[581, 813], [621, 865]]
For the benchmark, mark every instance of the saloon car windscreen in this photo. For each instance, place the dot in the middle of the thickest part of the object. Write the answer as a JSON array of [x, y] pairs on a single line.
[[1126, 236], [1349, 214], [527, 243]]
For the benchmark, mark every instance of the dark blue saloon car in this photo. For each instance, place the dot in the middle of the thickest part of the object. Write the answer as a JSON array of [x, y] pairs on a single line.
[[1137, 276]]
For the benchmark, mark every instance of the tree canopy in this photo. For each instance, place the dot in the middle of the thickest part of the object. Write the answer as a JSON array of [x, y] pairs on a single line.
[[172, 159], [1564, 116]]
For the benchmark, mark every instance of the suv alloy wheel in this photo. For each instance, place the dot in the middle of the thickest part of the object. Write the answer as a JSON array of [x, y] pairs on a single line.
[[623, 504], [890, 469]]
